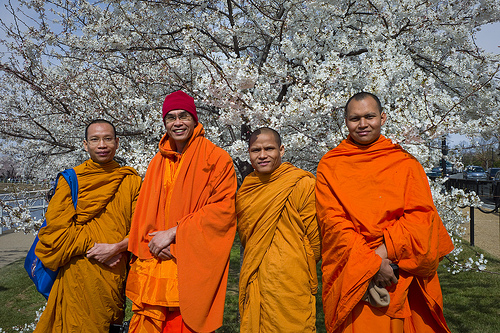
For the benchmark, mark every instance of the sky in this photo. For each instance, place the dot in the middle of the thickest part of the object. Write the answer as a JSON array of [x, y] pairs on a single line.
[[489, 37], [489, 40]]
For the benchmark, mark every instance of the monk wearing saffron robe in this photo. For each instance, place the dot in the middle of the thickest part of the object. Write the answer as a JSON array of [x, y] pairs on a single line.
[[375, 209], [89, 244], [277, 226], [183, 229]]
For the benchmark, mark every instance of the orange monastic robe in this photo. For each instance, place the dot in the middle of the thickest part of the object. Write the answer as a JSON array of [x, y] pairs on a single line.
[[278, 228], [87, 295], [194, 191], [366, 195]]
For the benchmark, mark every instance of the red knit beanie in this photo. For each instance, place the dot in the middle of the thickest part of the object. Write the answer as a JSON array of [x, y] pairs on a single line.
[[179, 100]]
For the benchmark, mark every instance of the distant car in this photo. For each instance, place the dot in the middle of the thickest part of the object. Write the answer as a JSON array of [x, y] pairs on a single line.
[[450, 168], [475, 172], [491, 172], [435, 172]]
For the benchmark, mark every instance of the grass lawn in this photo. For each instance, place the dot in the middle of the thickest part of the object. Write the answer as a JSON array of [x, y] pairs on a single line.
[[19, 297], [471, 300]]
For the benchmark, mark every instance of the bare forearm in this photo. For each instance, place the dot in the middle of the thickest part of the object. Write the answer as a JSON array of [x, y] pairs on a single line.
[[382, 251], [102, 252], [122, 246]]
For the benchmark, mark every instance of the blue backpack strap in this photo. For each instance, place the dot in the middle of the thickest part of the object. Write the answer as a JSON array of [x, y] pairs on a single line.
[[43, 277], [72, 180]]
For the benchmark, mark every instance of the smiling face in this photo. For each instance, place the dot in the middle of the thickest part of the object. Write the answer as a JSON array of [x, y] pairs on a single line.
[[101, 143], [180, 127], [364, 120], [265, 153]]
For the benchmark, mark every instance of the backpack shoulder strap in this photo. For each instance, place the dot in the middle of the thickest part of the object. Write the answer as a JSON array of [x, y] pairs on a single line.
[[72, 180]]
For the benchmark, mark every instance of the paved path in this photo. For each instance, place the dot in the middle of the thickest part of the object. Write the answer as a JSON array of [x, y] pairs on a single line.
[[14, 246]]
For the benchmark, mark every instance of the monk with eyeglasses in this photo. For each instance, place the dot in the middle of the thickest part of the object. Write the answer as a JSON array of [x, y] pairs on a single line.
[[183, 229]]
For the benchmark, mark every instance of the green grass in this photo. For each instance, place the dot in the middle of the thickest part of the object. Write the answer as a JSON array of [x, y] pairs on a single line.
[[231, 312], [18, 297], [471, 299]]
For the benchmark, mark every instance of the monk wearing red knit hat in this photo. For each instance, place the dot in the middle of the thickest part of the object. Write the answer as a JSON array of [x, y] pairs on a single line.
[[183, 229]]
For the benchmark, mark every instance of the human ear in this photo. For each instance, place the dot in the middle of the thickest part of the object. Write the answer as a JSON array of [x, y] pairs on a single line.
[[384, 118]]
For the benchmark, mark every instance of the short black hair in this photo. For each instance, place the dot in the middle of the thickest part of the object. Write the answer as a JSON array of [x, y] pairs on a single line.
[[361, 96], [261, 130], [99, 121]]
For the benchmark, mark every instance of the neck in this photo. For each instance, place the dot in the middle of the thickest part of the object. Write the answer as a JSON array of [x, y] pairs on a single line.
[[363, 144], [179, 146]]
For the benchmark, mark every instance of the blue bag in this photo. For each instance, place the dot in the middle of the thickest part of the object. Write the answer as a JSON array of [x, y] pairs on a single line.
[[42, 277]]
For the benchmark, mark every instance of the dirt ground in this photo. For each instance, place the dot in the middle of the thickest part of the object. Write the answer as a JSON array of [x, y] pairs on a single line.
[[14, 246], [486, 232]]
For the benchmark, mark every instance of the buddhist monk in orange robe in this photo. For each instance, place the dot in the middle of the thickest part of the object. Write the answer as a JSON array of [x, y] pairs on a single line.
[[89, 244], [183, 229], [278, 228], [375, 208]]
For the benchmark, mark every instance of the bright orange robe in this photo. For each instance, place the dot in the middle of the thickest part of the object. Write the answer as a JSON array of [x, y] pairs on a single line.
[[87, 295], [195, 191], [277, 226], [366, 195]]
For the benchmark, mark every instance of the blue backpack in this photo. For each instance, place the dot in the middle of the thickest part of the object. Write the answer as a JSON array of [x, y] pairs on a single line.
[[42, 277]]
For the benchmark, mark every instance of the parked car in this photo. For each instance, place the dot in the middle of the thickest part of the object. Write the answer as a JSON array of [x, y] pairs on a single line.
[[492, 172], [450, 168], [435, 172], [496, 189], [474, 172]]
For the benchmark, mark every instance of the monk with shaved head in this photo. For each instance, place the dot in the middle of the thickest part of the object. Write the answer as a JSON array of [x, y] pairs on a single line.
[[88, 242], [382, 235], [277, 226]]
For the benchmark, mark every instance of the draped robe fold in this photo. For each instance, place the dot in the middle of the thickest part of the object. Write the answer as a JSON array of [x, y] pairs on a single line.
[[194, 191], [366, 195], [87, 295], [278, 228]]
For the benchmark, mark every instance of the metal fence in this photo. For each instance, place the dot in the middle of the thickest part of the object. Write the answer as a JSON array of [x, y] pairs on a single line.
[[487, 190]]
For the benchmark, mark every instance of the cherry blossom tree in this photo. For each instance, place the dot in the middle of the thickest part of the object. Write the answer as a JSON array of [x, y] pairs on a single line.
[[290, 65]]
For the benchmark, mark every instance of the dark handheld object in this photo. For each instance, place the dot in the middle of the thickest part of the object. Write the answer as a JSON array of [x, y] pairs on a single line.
[[123, 328], [395, 269]]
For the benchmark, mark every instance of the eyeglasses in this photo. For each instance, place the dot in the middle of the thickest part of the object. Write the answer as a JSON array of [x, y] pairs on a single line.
[[183, 116], [94, 141]]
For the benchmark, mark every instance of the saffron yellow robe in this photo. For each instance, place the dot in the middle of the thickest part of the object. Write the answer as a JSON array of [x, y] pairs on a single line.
[[87, 296], [278, 228], [194, 191], [366, 195]]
